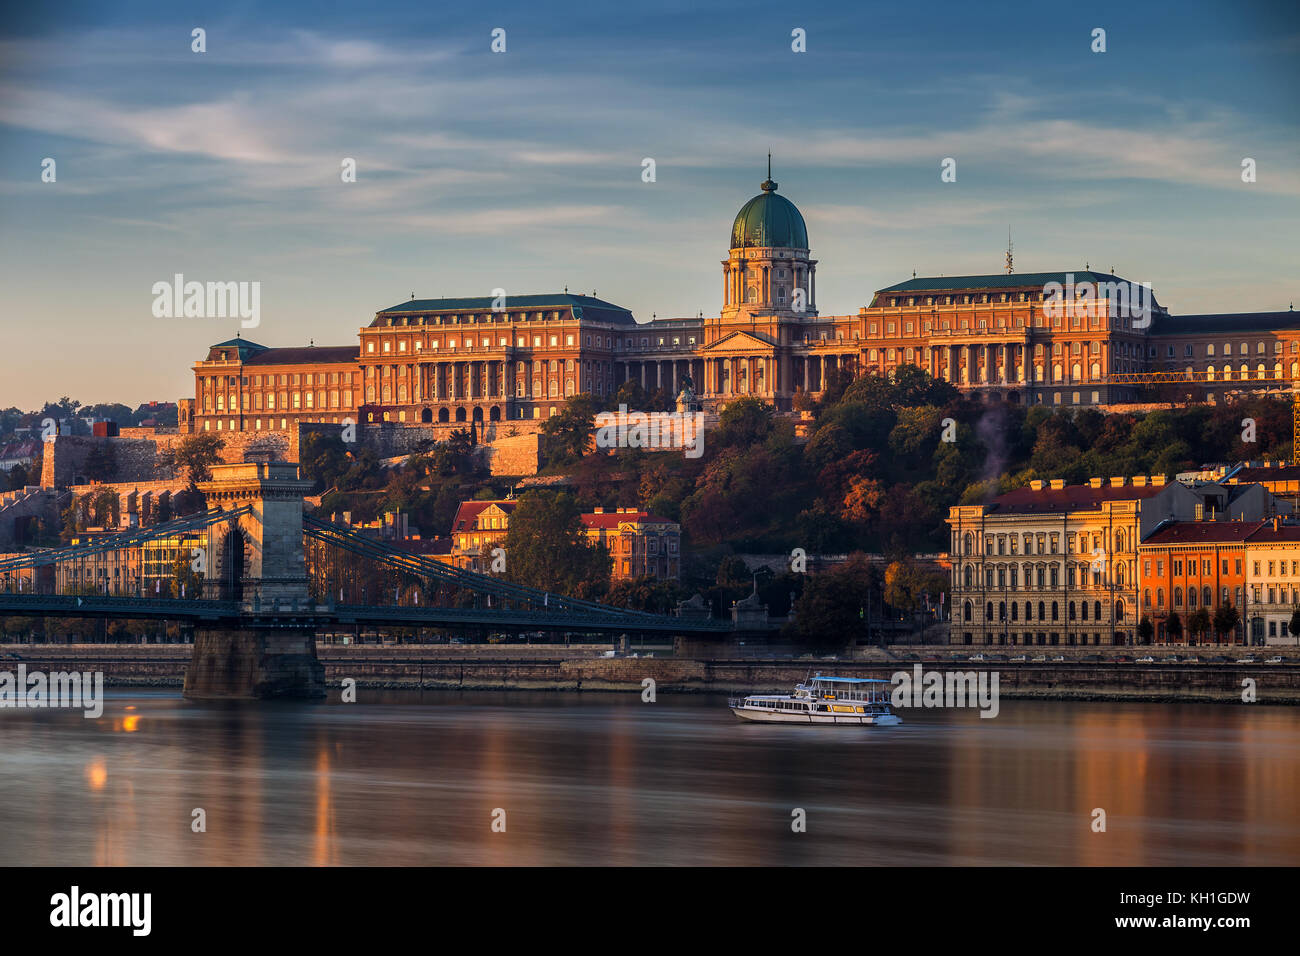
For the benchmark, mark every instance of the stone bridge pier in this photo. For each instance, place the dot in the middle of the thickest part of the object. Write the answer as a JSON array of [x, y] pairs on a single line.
[[257, 560]]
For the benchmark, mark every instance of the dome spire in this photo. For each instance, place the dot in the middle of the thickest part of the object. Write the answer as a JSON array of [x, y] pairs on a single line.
[[767, 185]]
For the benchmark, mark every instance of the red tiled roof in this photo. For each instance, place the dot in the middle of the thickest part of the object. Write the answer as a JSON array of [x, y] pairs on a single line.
[[468, 512], [1070, 498], [1207, 532], [612, 519]]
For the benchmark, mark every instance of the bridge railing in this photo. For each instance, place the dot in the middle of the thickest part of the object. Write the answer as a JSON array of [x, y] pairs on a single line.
[[122, 541]]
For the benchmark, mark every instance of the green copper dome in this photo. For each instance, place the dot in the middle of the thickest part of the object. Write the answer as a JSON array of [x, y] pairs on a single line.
[[769, 220]]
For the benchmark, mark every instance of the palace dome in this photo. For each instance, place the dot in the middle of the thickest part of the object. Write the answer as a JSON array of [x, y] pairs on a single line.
[[769, 220]]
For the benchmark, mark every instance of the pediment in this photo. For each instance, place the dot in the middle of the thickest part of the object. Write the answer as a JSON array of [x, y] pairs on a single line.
[[743, 342]]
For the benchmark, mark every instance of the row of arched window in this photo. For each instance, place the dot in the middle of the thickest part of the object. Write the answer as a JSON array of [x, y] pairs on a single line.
[[1204, 597], [1043, 543], [1042, 575], [1075, 611]]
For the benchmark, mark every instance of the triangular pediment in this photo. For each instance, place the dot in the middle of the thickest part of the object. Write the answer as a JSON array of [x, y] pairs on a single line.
[[742, 341]]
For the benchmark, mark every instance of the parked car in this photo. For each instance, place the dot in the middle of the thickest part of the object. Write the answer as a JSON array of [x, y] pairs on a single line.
[[1274, 660], [1040, 659], [1058, 658], [1019, 659], [1122, 659], [1191, 660], [1245, 660], [975, 657], [1220, 659], [1092, 657], [1171, 659], [1145, 660]]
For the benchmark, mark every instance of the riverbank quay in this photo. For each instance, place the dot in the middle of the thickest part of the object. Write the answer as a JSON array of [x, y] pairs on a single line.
[[583, 667]]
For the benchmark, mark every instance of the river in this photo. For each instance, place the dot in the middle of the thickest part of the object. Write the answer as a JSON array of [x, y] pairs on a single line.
[[418, 778]]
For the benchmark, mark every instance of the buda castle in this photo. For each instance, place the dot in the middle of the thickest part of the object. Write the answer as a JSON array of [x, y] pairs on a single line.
[[1004, 336]]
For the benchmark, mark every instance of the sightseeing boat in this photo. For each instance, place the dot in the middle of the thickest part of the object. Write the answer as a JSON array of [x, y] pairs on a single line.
[[822, 700]]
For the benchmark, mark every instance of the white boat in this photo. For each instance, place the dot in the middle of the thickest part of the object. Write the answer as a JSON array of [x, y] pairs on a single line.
[[822, 700]]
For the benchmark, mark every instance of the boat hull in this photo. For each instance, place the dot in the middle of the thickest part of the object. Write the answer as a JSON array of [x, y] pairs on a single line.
[[758, 715]]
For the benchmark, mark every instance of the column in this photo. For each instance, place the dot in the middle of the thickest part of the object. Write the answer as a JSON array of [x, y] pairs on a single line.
[[1008, 363], [806, 364]]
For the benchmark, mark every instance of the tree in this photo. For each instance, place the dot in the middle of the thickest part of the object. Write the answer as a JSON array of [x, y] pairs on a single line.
[[745, 421], [862, 500], [17, 478], [106, 508], [1199, 622], [194, 455], [109, 411], [631, 394], [1146, 629], [832, 611], [1295, 623], [1174, 626], [911, 588], [324, 459], [185, 580], [568, 432], [644, 594], [547, 548], [1226, 618]]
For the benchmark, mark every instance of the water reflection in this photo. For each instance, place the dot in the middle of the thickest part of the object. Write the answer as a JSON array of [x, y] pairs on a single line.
[[405, 778]]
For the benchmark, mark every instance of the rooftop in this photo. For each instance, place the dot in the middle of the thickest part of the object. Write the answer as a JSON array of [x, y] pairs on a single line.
[[1057, 497], [1164, 324], [1205, 532], [468, 512], [1000, 280], [580, 306]]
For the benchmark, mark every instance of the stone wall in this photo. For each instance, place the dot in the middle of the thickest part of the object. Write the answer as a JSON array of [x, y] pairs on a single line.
[[514, 448], [520, 455], [465, 667], [392, 439], [137, 457]]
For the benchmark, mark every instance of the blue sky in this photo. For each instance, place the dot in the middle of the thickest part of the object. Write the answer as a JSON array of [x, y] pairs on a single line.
[[522, 170]]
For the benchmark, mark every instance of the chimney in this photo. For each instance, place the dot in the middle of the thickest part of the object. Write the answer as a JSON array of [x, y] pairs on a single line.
[[1094, 482], [1036, 485], [1117, 482], [1157, 481], [1277, 523], [1057, 484], [1139, 481], [598, 511]]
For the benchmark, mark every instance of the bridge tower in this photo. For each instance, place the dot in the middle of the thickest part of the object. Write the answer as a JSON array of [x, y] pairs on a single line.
[[257, 560]]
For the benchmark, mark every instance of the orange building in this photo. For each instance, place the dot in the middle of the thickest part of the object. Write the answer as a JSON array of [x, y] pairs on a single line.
[[1187, 566], [242, 386]]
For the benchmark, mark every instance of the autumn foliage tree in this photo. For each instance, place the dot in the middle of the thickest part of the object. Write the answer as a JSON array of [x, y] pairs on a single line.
[[547, 548]]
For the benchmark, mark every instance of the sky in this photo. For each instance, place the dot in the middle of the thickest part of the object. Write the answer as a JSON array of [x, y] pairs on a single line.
[[522, 170]]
